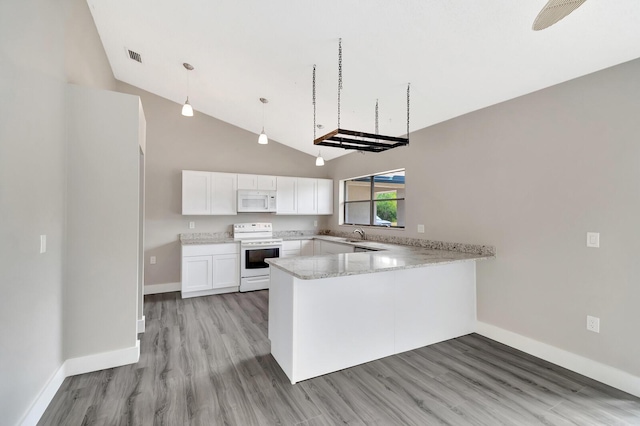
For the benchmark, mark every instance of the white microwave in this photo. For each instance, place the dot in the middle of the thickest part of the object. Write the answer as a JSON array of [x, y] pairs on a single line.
[[256, 201]]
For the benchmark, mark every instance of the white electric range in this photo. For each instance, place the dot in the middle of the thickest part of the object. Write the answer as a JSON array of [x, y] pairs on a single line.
[[256, 245]]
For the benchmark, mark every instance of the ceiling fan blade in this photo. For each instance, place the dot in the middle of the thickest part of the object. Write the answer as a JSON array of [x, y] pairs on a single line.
[[554, 11]]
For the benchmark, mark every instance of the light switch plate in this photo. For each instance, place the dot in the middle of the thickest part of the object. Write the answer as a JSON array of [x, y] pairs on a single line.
[[43, 244], [315, 223], [593, 239], [192, 225], [421, 229]]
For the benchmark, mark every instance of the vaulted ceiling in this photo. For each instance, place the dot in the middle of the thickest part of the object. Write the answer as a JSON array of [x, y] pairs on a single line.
[[458, 55]]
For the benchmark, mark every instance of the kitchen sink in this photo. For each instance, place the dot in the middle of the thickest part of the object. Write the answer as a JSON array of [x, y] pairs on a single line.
[[363, 249]]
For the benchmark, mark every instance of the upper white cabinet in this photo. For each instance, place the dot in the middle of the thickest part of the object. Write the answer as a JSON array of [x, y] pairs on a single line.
[[212, 193], [287, 195], [196, 192], [224, 193], [325, 196], [307, 196], [208, 193], [267, 183], [257, 182], [304, 196]]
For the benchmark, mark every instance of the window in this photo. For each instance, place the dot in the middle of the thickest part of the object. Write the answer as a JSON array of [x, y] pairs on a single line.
[[376, 200]]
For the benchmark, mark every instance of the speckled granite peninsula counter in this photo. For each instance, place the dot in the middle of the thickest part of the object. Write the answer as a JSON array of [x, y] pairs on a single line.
[[384, 257], [334, 311]]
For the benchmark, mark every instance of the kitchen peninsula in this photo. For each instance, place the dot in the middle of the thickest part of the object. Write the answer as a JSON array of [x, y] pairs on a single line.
[[335, 311]]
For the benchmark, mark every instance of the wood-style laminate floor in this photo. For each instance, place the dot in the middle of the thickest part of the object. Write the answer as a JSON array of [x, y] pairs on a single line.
[[206, 361]]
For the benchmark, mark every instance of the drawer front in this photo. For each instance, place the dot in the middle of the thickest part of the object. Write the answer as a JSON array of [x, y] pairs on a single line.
[[206, 249], [291, 245]]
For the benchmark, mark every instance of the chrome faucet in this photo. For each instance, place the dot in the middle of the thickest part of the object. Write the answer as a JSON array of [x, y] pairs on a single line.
[[359, 231]]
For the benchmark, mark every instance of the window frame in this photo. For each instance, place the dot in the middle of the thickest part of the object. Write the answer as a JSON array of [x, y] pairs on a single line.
[[371, 200]]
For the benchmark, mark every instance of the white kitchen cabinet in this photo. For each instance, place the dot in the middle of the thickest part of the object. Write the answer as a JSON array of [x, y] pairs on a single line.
[[267, 183], [210, 269], [290, 248], [287, 201], [247, 181], [224, 188], [197, 273], [214, 193], [257, 182], [209, 193], [196, 192], [307, 196], [306, 247], [325, 196], [328, 247], [300, 196], [226, 269]]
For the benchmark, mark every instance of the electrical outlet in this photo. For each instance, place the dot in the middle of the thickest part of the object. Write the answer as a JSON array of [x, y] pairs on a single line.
[[593, 239], [315, 223], [43, 244], [192, 225], [421, 229], [152, 260], [593, 324]]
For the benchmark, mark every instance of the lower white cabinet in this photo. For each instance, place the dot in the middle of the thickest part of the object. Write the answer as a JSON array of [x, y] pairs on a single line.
[[297, 248], [290, 248], [328, 247], [197, 273], [210, 269], [208, 193], [306, 247]]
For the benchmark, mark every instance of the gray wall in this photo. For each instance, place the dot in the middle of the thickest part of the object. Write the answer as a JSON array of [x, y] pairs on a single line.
[[35, 36], [101, 279], [532, 176], [176, 143]]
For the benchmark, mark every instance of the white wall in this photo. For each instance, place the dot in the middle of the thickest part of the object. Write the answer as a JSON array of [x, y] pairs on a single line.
[[35, 36], [176, 143], [532, 176]]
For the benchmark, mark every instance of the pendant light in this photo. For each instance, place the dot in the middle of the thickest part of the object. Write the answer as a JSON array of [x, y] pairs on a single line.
[[263, 139], [319, 160], [187, 109]]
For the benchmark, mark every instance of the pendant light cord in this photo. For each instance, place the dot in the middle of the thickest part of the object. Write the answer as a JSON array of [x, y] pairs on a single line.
[[313, 100], [339, 76], [408, 90]]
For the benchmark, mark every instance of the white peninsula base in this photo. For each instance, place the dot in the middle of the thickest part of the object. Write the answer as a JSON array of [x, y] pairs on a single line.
[[324, 325]]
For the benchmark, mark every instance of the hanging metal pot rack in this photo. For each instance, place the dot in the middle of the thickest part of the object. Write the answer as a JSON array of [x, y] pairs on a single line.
[[352, 139]]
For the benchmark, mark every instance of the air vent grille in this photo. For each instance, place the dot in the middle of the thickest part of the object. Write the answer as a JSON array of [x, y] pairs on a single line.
[[135, 56]]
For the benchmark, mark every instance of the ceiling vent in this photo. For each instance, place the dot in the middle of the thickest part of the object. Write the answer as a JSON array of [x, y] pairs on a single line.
[[134, 55]]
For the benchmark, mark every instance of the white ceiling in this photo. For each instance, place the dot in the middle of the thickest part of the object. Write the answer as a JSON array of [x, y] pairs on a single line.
[[459, 56]]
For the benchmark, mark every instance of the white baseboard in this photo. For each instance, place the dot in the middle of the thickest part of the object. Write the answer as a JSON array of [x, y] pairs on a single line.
[[162, 288], [102, 360], [595, 370], [141, 325], [44, 398], [74, 366]]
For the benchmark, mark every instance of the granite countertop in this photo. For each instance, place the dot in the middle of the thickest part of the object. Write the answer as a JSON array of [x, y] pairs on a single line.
[[393, 253], [390, 257], [206, 238], [227, 237]]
